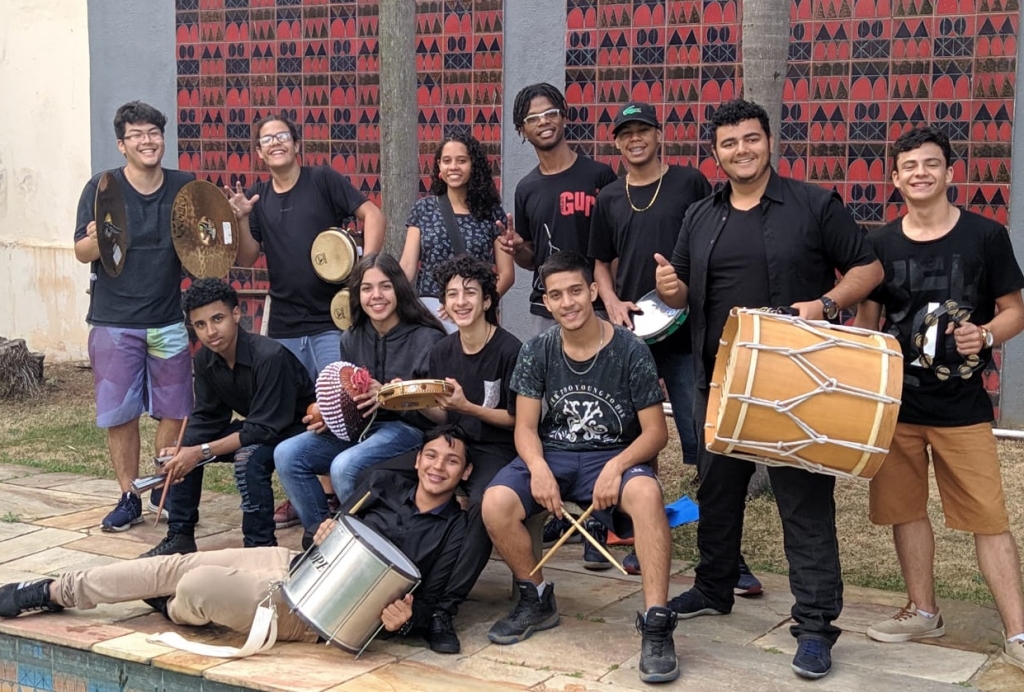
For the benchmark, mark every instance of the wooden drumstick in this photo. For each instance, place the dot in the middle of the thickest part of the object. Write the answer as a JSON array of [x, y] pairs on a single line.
[[561, 541], [167, 489], [356, 506], [594, 542]]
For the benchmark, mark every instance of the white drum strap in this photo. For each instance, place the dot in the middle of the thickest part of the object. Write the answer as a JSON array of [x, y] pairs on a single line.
[[262, 636]]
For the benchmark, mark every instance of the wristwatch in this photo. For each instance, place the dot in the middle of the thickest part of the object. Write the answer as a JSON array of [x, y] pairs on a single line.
[[207, 452], [831, 310], [989, 337]]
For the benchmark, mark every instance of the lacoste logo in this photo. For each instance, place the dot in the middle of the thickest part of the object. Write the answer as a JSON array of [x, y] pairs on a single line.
[[631, 110]]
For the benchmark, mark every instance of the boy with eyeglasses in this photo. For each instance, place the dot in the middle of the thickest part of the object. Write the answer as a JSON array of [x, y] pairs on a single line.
[[138, 345]]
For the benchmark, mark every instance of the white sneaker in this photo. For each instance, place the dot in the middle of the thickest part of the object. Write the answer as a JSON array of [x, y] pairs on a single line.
[[1013, 653], [906, 625]]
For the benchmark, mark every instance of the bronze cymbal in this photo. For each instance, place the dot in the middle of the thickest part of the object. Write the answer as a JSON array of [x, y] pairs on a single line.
[[203, 230], [111, 224]]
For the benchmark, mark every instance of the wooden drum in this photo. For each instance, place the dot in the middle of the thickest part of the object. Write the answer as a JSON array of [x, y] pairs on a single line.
[[787, 391], [411, 395]]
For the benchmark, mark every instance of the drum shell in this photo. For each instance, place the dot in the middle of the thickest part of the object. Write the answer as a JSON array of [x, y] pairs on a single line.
[[876, 366], [334, 253], [341, 586], [657, 321]]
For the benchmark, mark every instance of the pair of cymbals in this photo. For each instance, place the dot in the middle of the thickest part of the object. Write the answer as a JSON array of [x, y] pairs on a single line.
[[111, 224], [203, 230]]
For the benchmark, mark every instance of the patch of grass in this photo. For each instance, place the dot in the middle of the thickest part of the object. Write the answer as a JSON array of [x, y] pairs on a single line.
[[772, 650], [10, 518]]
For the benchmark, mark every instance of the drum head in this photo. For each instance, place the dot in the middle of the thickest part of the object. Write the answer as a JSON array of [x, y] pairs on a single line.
[[382, 547], [203, 230], [333, 255], [341, 309], [111, 224], [656, 321], [412, 395]]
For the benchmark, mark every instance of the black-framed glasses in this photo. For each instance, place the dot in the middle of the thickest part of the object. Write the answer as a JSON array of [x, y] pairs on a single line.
[[549, 114], [281, 137], [154, 135]]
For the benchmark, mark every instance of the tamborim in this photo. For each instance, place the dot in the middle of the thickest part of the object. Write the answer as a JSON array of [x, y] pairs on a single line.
[[656, 321], [412, 394], [787, 391], [203, 230], [340, 587], [111, 224], [341, 309], [333, 254]]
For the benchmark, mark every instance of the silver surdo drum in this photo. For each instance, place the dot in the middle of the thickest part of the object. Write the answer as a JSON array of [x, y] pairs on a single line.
[[340, 587]]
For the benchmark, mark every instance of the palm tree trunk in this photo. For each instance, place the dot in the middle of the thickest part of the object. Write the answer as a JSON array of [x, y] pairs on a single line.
[[765, 49]]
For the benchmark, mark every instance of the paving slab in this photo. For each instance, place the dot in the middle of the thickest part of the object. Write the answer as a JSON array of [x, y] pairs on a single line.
[[63, 629], [81, 520], [53, 561], [14, 471], [131, 647], [479, 667], [566, 683], [36, 503], [999, 677], [32, 543], [410, 677], [911, 659], [51, 480], [297, 668], [107, 489], [124, 546], [15, 528]]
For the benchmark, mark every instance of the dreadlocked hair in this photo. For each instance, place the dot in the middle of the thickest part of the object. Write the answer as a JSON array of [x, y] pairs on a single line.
[[526, 95]]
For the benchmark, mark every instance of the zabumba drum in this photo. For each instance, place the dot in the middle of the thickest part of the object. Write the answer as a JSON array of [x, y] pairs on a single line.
[[788, 391]]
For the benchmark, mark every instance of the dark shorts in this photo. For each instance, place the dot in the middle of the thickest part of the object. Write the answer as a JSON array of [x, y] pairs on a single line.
[[576, 473]]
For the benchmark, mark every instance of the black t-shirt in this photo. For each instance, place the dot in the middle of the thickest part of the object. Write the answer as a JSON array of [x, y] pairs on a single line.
[[553, 212], [485, 377], [287, 224], [591, 406], [632, 237], [147, 292], [973, 265], [737, 275]]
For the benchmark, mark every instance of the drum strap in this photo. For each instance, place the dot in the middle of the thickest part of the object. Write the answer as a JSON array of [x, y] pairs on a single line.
[[451, 225], [262, 636]]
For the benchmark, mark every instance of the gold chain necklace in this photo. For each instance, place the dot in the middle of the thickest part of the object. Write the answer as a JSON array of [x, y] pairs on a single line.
[[656, 191]]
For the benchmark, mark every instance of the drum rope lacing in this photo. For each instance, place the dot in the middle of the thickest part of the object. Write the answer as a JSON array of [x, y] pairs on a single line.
[[825, 385]]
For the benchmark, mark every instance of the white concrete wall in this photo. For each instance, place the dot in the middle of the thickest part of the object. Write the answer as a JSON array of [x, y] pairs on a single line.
[[44, 163]]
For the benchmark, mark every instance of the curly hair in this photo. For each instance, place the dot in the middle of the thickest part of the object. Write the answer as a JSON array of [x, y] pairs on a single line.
[[409, 308], [137, 113], [470, 269], [481, 194], [912, 139], [736, 111], [202, 292], [526, 95]]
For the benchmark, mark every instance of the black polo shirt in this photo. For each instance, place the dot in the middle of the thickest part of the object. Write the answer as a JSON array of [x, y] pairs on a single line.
[[808, 236], [432, 540], [268, 385]]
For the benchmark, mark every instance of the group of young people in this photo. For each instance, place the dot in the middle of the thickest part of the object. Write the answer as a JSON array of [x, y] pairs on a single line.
[[573, 414]]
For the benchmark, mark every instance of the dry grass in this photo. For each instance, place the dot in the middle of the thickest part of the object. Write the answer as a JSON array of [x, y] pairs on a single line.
[[56, 431]]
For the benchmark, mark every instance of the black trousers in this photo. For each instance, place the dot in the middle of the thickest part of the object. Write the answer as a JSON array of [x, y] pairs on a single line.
[[487, 460], [808, 512], [254, 469]]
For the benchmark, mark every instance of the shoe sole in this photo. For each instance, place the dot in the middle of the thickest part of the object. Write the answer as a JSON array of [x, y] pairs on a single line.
[[698, 613], [285, 524], [445, 649], [807, 673], [122, 527], [153, 509], [597, 566], [747, 593], [896, 638], [660, 677], [527, 633]]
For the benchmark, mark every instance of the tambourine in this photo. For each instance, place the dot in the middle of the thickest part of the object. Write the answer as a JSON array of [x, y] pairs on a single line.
[[958, 314], [411, 395], [656, 321]]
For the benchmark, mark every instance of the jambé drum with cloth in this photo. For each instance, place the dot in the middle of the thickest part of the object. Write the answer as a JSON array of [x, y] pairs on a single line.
[[340, 587], [788, 391]]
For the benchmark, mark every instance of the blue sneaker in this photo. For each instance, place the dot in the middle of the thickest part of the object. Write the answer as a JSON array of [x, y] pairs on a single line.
[[592, 557], [631, 563], [813, 658], [747, 585], [554, 529], [127, 512]]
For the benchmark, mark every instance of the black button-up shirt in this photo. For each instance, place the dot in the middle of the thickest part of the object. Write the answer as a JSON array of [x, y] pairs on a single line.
[[432, 540], [268, 385], [808, 236]]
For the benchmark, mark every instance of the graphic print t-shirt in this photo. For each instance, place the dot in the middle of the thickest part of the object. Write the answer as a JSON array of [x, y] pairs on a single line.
[[973, 265], [553, 212], [592, 411]]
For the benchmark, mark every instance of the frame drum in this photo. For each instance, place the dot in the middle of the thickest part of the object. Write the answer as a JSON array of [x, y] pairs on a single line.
[[333, 254], [412, 394], [341, 309], [340, 587]]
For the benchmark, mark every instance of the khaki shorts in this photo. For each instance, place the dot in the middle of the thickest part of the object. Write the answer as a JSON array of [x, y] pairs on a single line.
[[966, 471]]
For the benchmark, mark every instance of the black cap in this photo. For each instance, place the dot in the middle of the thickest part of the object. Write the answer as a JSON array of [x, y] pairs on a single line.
[[636, 111]]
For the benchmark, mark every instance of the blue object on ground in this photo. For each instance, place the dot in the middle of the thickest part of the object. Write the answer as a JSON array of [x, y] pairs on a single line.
[[682, 511]]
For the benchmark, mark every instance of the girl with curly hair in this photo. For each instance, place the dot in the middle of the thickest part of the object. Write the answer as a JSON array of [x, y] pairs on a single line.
[[462, 174]]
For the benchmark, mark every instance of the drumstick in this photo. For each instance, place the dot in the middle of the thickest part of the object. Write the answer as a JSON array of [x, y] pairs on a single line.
[[356, 506], [167, 488], [594, 542], [561, 541]]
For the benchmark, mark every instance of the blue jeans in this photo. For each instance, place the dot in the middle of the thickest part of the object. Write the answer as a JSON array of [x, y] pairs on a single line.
[[315, 351], [300, 459], [677, 371]]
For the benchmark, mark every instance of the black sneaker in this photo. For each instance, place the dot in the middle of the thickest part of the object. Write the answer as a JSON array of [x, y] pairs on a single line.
[[441, 636], [127, 513], [554, 529], [690, 604], [25, 597], [592, 557], [747, 585], [172, 544], [813, 658], [531, 613], [657, 652], [631, 563], [159, 604]]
